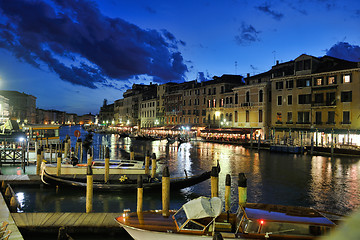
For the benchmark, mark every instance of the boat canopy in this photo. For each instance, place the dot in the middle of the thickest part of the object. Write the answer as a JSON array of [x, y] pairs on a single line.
[[203, 207]]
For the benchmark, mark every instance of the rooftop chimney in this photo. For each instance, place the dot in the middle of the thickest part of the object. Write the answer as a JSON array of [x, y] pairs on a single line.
[[277, 62], [248, 75]]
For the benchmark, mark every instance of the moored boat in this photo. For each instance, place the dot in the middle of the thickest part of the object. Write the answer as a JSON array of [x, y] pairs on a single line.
[[123, 182], [201, 218]]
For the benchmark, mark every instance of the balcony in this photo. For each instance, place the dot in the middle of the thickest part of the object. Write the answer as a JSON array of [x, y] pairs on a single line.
[[324, 104]]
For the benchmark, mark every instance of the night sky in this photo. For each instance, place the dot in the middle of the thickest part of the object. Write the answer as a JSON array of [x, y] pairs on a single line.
[[71, 54]]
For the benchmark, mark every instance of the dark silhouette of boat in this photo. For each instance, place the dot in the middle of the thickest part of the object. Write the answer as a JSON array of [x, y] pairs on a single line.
[[123, 184]]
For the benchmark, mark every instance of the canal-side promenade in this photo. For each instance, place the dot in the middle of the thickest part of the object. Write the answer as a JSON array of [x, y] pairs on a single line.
[[5, 215]]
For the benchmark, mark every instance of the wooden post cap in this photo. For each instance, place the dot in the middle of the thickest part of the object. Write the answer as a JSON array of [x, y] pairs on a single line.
[[139, 182], [107, 152], [166, 172], [242, 182], [214, 172], [59, 155], [148, 153], [228, 180], [89, 170], [153, 156], [131, 148], [38, 151]]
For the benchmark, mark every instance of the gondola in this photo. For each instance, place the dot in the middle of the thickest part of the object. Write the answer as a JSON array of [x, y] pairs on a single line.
[[123, 184]]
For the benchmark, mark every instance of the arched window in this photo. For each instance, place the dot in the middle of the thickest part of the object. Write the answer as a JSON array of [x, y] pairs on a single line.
[[247, 97], [261, 96]]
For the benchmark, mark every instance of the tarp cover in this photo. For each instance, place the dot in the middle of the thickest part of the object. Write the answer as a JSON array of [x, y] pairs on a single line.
[[203, 207]]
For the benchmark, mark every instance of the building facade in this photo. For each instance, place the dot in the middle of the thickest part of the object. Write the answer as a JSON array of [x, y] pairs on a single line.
[[22, 106]]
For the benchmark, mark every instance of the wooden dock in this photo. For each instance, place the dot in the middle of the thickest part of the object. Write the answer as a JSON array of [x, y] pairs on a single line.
[[57, 220], [20, 179]]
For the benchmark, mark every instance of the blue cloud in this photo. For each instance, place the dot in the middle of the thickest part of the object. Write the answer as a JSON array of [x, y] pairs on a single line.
[[93, 46], [266, 9], [247, 35], [345, 50]]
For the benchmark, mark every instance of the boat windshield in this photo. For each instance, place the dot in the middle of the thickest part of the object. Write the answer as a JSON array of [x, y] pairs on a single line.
[[180, 218], [185, 224]]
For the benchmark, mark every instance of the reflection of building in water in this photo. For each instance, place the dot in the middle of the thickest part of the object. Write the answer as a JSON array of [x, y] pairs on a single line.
[[335, 181]]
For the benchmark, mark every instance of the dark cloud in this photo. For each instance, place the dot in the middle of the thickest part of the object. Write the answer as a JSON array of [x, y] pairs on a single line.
[[266, 9], [344, 50], [202, 77], [94, 47], [247, 35], [150, 10]]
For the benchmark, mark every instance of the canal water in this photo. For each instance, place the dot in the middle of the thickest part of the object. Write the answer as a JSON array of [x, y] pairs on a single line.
[[325, 183]]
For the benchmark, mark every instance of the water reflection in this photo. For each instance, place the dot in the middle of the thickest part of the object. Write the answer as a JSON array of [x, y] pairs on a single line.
[[325, 183]]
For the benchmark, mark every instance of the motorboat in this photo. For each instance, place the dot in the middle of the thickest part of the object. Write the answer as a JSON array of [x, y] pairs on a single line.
[[201, 218]]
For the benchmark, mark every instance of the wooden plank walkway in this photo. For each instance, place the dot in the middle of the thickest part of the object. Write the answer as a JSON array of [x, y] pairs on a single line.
[[20, 178], [56, 220], [5, 215]]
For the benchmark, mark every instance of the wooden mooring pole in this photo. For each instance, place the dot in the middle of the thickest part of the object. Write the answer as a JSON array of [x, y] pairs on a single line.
[[242, 189], [165, 182], [140, 193], [147, 163], [227, 192], [214, 181], [89, 189], [153, 165], [107, 164]]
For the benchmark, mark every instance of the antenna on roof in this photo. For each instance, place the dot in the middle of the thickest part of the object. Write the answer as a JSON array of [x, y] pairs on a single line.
[[274, 52]]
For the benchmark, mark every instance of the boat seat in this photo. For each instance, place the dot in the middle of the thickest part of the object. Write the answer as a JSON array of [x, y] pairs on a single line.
[[222, 227]]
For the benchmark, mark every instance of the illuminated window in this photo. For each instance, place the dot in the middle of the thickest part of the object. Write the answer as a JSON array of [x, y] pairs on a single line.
[[346, 78], [319, 81], [278, 117], [331, 80]]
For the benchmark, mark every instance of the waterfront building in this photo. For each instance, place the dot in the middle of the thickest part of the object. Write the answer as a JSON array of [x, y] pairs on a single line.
[[119, 112], [191, 107], [160, 105], [215, 93], [4, 109], [132, 102], [106, 113], [317, 99], [252, 109], [148, 117], [87, 119], [173, 104], [22, 106]]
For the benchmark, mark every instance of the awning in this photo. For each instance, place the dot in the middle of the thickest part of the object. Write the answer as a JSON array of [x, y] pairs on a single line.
[[203, 207], [230, 130]]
